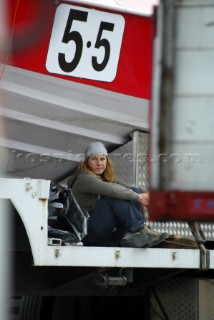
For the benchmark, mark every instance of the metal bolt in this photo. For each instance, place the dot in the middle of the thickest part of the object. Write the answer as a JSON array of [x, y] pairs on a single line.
[[28, 186], [57, 253], [117, 254], [174, 255]]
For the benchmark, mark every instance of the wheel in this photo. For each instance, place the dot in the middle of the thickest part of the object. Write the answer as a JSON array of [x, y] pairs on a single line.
[[72, 308], [36, 308]]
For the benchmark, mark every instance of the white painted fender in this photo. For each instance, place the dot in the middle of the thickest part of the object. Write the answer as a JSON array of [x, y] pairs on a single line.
[[30, 198]]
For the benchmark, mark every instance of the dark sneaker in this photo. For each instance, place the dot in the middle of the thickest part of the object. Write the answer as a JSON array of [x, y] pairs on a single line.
[[134, 240], [154, 237]]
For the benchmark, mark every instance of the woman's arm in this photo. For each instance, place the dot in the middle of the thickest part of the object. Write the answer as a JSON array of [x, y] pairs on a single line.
[[87, 183]]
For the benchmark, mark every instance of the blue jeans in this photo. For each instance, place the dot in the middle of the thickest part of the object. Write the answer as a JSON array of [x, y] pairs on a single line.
[[111, 219]]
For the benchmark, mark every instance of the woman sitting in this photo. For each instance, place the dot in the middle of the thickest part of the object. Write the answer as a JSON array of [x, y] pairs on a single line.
[[116, 209]]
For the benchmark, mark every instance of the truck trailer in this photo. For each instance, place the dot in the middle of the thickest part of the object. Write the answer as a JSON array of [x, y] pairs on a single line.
[[138, 78]]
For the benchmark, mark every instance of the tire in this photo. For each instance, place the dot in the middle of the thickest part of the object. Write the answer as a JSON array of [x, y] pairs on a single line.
[[72, 308], [36, 308]]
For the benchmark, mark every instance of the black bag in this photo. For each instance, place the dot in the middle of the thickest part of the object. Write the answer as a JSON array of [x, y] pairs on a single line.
[[66, 220]]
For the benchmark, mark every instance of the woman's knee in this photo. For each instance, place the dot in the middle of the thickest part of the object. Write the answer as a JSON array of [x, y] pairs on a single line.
[[137, 190]]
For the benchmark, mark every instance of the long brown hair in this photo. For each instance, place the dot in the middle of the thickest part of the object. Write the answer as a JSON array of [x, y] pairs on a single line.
[[108, 175]]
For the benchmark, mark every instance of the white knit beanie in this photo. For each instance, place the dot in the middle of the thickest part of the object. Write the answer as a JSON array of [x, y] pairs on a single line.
[[95, 148]]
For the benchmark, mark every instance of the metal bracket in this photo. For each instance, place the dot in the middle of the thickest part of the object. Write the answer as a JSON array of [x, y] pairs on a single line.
[[105, 280], [200, 239], [54, 242]]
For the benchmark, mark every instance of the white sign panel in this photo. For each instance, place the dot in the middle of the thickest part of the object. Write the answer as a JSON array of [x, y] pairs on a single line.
[[85, 43]]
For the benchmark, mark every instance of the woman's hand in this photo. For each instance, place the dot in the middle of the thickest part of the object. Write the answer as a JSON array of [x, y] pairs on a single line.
[[143, 199]]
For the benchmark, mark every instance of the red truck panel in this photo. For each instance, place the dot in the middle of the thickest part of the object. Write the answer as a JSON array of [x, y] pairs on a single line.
[[31, 25]]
